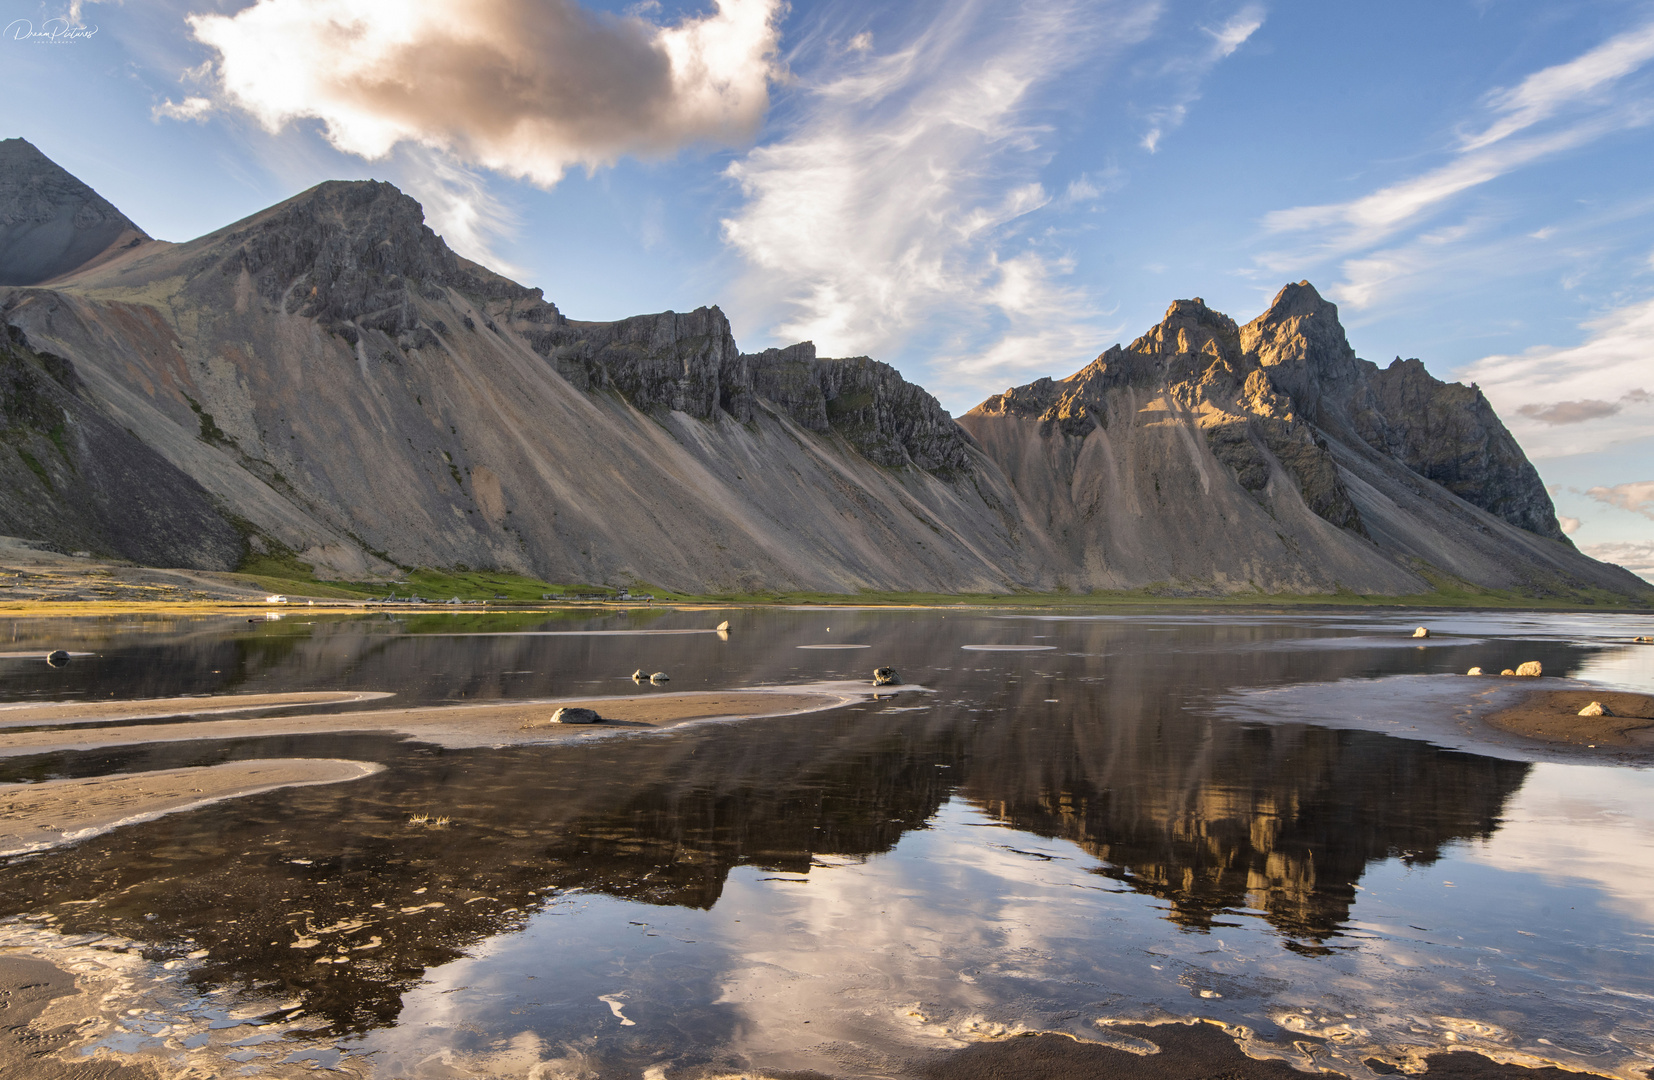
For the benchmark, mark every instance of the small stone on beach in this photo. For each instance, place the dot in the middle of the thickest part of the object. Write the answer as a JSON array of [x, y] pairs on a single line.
[[57, 658], [638, 675], [1474, 671], [1507, 671], [570, 715], [1423, 631], [1596, 708], [1531, 667], [723, 627], [660, 676], [885, 676]]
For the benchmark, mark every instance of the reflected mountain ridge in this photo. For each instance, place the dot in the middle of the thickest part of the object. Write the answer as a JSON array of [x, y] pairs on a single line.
[[1215, 819]]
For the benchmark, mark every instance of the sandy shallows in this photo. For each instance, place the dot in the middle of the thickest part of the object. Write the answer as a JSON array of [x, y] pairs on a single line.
[[1553, 715], [491, 724], [34, 817], [41, 714]]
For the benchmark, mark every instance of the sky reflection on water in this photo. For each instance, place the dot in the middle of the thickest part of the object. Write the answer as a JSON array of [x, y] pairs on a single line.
[[1047, 840]]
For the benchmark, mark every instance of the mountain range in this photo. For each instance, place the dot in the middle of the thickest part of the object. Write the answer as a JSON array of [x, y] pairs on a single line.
[[328, 379]]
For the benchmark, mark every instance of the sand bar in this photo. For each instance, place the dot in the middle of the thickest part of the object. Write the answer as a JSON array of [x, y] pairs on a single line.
[[486, 724], [1553, 716], [45, 713], [34, 817]]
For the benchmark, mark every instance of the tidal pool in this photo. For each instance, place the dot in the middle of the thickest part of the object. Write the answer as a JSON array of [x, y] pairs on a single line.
[[1288, 824]]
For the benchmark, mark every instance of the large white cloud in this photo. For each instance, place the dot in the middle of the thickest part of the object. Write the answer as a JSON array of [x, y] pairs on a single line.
[[894, 202], [528, 88]]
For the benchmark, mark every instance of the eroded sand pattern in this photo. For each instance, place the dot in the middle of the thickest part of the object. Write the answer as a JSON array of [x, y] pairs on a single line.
[[41, 714], [493, 723], [34, 817]]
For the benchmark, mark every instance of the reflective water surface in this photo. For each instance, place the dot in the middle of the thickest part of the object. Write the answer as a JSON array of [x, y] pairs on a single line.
[[1103, 825]]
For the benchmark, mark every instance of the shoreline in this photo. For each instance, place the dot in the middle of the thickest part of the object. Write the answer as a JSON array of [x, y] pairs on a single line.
[[496, 723], [51, 813], [1496, 716]]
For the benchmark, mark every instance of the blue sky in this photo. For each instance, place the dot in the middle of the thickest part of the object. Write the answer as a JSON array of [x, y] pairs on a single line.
[[979, 192]]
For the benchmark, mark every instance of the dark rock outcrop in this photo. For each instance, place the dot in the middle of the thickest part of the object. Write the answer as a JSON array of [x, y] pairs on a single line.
[[50, 222], [1445, 432], [1419, 479]]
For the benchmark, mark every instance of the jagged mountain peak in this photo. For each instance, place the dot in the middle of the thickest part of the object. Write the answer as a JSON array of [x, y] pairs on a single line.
[[50, 222]]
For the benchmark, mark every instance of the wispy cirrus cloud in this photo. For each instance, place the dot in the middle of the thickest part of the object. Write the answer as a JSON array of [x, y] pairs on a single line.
[[1188, 69], [1552, 112], [527, 88], [897, 202]]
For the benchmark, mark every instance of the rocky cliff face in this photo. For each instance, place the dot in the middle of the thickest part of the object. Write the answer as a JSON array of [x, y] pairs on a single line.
[[329, 377], [1445, 432], [1356, 478], [341, 382], [50, 222]]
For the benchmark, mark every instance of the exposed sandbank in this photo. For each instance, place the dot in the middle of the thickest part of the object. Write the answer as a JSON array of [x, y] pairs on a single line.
[[1521, 719], [487, 724], [1553, 716], [46, 713], [34, 817]]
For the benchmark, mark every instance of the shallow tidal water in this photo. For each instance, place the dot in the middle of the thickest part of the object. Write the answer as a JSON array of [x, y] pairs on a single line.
[[1264, 820]]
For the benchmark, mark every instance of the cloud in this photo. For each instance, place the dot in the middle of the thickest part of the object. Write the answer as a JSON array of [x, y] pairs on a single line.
[[1569, 525], [1638, 497], [529, 88], [897, 200], [1510, 138], [1635, 556], [1570, 412], [1545, 93], [1190, 68], [1547, 393], [458, 204], [191, 108]]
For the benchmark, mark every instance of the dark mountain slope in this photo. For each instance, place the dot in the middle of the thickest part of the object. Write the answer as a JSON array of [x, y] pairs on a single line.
[[50, 222]]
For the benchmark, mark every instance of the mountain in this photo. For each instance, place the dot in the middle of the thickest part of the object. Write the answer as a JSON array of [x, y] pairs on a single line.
[[50, 222], [328, 378], [1217, 457]]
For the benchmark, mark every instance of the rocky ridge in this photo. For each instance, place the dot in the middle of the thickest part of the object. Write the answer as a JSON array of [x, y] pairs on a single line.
[[335, 381]]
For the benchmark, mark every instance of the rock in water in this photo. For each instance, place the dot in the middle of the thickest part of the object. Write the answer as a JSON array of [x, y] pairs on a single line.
[[568, 715], [1474, 671], [660, 676], [1531, 667], [638, 675], [885, 676], [1423, 631], [1507, 671], [57, 658], [1596, 708], [723, 627]]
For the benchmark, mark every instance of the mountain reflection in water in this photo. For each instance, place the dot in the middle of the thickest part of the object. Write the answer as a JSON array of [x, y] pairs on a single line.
[[1221, 821]]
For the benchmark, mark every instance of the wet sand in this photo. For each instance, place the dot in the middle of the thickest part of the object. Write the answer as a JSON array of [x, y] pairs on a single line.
[[491, 724], [1553, 716], [34, 817], [41, 714]]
